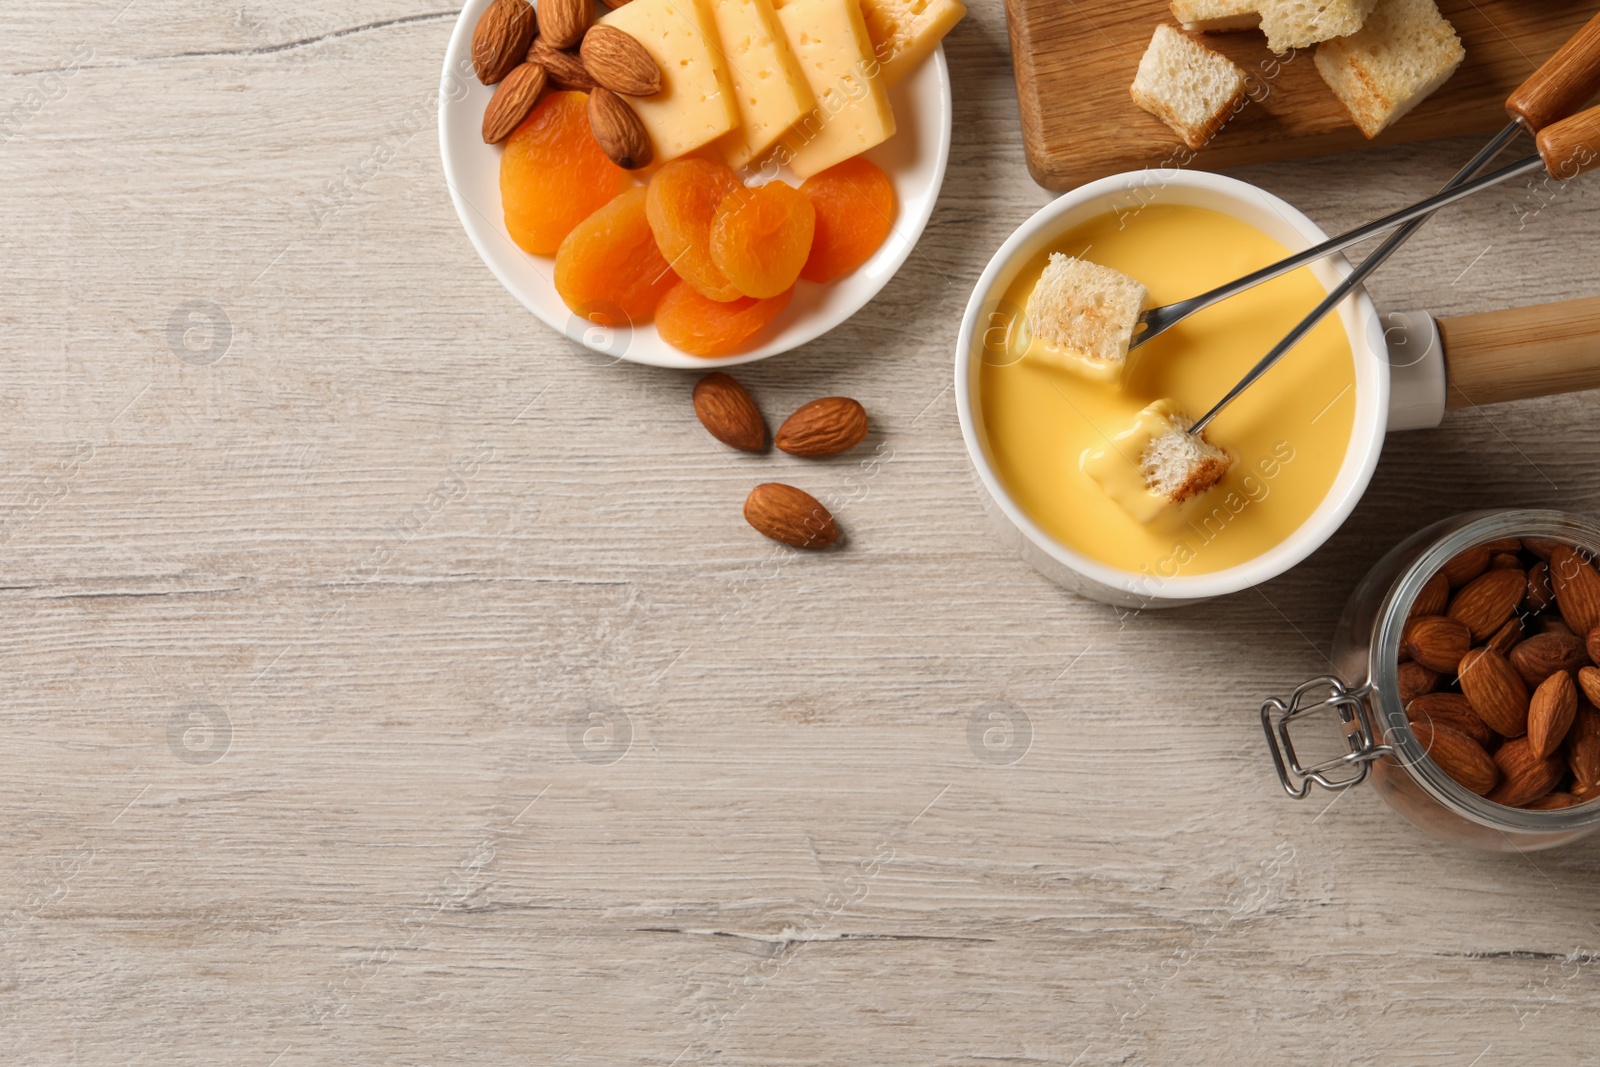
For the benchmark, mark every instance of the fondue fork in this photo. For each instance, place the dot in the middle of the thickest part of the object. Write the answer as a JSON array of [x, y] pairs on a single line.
[[1566, 149], [1565, 82]]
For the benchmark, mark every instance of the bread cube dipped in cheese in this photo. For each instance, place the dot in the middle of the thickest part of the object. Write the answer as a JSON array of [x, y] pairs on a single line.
[[1152, 468], [696, 104], [1217, 16], [1081, 316], [829, 38], [1191, 88], [1405, 51], [769, 89]]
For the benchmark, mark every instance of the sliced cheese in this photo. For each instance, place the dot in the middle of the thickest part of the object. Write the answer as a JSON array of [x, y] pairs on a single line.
[[695, 105], [829, 38], [770, 91], [903, 32]]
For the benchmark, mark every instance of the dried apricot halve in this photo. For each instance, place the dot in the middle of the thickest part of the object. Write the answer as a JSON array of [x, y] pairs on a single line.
[[855, 206], [608, 269], [690, 322], [553, 174], [760, 237], [682, 201]]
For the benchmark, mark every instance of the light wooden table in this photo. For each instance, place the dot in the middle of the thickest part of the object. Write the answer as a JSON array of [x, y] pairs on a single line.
[[385, 683]]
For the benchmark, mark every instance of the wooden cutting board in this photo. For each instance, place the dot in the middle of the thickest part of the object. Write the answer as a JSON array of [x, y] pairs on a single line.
[[1075, 60]]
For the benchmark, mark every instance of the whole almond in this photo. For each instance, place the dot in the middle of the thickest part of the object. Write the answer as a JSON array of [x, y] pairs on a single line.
[[1415, 681], [1591, 644], [1452, 710], [1488, 601], [1458, 756], [619, 132], [1586, 723], [1542, 655], [823, 427], [1505, 561], [513, 98], [1589, 682], [1433, 597], [563, 22], [1577, 589], [1540, 546], [1550, 713], [1554, 624], [1524, 777], [728, 414], [1506, 638], [1436, 642], [620, 63], [1584, 759], [1466, 566], [1496, 691], [1539, 596], [500, 40], [1552, 802], [790, 515], [566, 70]]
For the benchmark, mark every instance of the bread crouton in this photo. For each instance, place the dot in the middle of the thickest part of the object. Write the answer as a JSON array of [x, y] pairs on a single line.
[[1291, 24], [1217, 16], [1084, 310], [1188, 86], [1404, 52]]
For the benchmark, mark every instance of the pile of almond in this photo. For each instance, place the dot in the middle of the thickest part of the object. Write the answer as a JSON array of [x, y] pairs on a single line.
[[823, 427], [1497, 672], [520, 51]]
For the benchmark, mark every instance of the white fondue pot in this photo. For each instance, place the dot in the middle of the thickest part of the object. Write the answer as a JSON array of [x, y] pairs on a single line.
[[1401, 366]]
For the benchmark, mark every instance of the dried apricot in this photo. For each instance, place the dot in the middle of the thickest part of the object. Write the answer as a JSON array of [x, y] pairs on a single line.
[[855, 206], [608, 269], [701, 327], [760, 238], [553, 175], [683, 198]]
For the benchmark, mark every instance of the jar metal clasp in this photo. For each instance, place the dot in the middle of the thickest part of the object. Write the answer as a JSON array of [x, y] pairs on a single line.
[[1355, 724]]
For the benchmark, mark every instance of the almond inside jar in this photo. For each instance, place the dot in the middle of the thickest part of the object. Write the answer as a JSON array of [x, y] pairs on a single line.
[[1497, 672]]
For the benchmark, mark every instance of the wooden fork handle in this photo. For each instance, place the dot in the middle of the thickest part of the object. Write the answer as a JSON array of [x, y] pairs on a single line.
[[1521, 353], [1567, 80]]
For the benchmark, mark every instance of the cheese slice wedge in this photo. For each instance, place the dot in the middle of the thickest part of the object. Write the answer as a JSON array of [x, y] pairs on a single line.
[[904, 32], [695, 105], [829, 38], [769, 89]]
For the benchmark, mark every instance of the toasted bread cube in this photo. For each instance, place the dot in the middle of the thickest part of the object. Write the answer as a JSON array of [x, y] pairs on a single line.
[[1155, 466], [1404, 52], [1084, 311], [1291, 24], [1217, 16], [1188, 86]]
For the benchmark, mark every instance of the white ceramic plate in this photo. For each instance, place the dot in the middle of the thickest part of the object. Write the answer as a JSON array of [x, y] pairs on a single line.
[[914, 159]]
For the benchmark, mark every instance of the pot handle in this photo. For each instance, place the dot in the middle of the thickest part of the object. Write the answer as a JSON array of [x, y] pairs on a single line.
[[1522, 352]]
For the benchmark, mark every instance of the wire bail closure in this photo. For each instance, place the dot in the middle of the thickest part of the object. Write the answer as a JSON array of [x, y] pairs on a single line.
[[1354, 723]]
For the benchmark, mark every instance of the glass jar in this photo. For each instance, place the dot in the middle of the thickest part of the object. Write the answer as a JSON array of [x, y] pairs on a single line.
[[1364, 696]]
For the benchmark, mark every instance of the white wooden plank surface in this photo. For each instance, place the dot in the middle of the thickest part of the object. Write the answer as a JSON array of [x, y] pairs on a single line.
[[397, 542]]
